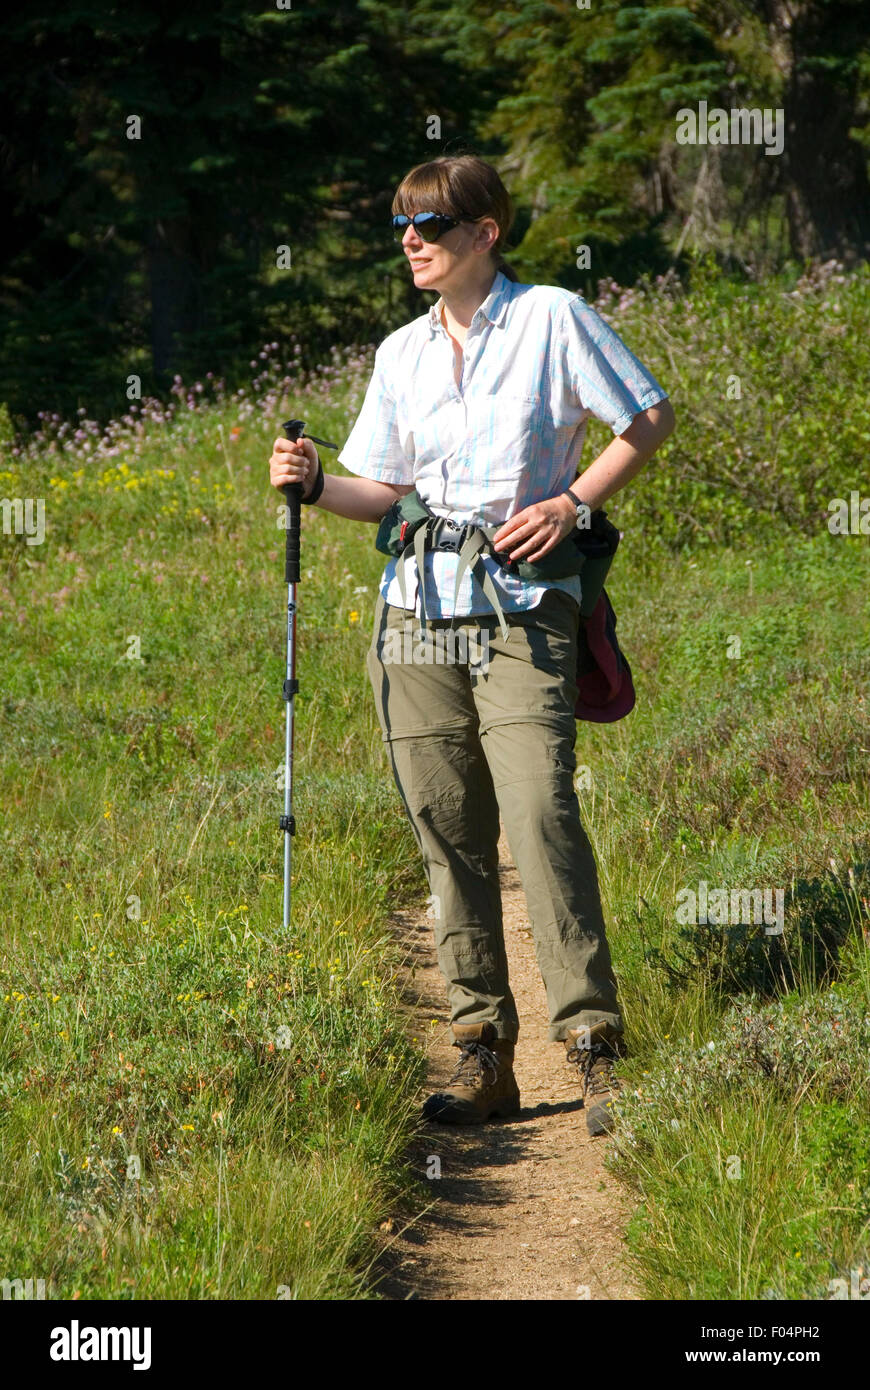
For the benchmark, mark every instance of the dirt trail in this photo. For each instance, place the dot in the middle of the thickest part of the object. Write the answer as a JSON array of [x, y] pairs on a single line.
[[524, 1208]]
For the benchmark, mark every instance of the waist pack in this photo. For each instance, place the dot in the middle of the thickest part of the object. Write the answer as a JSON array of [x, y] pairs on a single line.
[[605, 688]]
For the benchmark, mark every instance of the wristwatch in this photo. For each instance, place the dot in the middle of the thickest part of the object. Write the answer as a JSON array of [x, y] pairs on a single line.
[[584, 511]]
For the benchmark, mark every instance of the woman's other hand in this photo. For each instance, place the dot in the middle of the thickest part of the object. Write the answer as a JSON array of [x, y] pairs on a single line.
[[536, 530]]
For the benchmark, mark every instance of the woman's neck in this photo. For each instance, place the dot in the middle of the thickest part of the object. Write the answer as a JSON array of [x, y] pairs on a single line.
[[460, 304]]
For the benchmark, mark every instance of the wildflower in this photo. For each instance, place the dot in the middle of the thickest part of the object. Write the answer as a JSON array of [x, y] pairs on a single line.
[[353, 617]]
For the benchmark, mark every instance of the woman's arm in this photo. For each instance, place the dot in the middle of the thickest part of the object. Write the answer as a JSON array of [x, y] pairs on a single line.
[[624, 456], [359, 499], [534, 531]]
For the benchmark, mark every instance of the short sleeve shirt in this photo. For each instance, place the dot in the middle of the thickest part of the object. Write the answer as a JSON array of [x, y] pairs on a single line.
[[537, 362]]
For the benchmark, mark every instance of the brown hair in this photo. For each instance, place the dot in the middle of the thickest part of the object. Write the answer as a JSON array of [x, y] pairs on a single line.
[[460, 185]]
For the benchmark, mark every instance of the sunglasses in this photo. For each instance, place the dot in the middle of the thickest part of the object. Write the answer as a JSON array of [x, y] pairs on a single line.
[[428, 225]]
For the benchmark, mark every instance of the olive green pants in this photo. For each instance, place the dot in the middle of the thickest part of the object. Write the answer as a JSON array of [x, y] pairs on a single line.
[[474, 726]]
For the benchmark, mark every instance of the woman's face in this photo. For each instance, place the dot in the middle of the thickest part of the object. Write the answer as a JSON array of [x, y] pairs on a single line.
[[454, 260]]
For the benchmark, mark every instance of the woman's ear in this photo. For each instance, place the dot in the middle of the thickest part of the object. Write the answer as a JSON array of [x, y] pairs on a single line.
[[487, 234]]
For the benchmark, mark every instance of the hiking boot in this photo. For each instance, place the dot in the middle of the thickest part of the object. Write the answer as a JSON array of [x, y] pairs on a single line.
[[594, 1051], [483, 1083]]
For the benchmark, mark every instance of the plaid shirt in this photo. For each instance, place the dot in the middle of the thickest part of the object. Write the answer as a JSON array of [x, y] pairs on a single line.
[[537, 362]]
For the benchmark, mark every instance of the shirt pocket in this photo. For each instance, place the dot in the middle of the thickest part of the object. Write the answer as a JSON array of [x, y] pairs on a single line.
[[512, 421]]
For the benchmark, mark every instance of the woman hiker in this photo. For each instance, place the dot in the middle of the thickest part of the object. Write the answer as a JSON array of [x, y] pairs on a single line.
[[481, 405]]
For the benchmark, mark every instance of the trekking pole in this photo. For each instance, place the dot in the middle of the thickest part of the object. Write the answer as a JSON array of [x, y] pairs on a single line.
[[293, 429]]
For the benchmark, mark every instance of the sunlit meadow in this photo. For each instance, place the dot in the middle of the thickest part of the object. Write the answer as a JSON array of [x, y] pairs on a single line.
[[195, 1104]]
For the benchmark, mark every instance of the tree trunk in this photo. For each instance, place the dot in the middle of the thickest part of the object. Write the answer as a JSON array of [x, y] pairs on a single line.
[[172, 276], [827, 193]]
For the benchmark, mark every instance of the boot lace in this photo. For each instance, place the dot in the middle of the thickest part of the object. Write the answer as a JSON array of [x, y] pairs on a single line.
[[595, 1065], [474, 1061]]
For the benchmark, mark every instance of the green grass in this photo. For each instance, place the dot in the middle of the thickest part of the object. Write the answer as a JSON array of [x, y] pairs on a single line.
[[745, 772], [194, 1104], [155, 1019]]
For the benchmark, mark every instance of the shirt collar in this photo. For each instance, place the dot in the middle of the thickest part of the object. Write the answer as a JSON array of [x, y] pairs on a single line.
[[494, 307]]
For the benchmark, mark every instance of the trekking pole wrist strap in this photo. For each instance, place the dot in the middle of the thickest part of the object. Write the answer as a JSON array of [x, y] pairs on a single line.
[[315, 492]]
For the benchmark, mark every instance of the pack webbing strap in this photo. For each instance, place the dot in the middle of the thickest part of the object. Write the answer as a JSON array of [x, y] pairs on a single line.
[[428, 537]]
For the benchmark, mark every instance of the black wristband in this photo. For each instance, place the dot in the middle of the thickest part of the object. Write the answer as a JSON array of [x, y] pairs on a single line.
[[318, 486]]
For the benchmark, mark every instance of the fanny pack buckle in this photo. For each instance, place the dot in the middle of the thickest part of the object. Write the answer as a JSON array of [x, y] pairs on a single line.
[[452, 543]]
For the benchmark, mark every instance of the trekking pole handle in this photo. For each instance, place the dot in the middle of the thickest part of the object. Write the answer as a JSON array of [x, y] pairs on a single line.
[[293, 493], [294, 429]]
